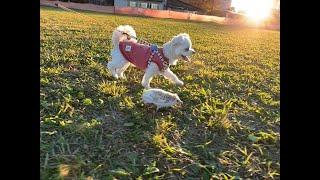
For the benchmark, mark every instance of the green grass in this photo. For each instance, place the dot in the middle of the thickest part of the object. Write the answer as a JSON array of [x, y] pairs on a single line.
[[93, 127]]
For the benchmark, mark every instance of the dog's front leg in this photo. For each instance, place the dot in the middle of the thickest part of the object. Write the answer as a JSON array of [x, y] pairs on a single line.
[[170, 75], [151, 70]]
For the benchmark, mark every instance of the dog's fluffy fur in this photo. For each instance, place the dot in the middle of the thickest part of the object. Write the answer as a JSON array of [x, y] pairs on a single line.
[[160, 98], [178, 47]]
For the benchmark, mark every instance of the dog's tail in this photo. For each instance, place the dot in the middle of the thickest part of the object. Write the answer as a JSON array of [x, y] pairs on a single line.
[[121, 33]]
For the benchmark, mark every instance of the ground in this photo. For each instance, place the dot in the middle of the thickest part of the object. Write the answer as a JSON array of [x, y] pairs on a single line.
[[94, 127]]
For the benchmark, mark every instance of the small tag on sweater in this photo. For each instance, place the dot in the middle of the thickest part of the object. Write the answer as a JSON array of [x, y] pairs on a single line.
[[128, 48]]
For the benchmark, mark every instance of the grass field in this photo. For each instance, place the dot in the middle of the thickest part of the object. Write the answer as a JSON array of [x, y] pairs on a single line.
[[93, 127]]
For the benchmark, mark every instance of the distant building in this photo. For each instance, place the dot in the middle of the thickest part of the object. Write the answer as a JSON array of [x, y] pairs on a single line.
[[181, 6], [215, 7], [221, 5], [150, 4], [102, 2]]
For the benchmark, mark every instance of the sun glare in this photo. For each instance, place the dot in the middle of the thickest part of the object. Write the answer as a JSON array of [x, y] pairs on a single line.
[[256, 10]]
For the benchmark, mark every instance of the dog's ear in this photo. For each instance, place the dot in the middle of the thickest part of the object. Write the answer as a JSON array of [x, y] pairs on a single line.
[[176, 40], [185, 35]]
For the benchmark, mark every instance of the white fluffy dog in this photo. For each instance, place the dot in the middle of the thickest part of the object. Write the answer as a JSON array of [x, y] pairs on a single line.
[[178, 47]]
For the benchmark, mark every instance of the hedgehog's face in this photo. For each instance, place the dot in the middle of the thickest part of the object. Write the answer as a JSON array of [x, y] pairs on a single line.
[[177, 99]]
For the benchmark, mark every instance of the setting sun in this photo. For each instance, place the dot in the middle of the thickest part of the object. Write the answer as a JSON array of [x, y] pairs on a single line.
[[254, 9]]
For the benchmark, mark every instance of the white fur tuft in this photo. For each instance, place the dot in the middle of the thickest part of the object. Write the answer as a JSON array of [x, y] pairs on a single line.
[[117, 35]]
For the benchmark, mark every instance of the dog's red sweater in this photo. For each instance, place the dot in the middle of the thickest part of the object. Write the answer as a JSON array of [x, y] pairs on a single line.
[[138, 54]]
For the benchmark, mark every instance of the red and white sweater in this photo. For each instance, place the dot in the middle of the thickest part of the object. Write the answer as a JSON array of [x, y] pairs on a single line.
[[138, 54]]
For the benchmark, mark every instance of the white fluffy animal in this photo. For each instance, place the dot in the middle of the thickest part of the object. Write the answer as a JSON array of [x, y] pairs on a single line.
[[160, 98], [179, 47]]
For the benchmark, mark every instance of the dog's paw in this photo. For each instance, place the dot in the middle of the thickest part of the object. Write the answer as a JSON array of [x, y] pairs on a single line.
[[180, 83], [145, 85], [115, 76], [122, 77]]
